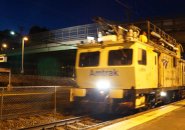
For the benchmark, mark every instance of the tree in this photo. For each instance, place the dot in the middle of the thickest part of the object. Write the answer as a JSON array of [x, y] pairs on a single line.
[[36, 29]]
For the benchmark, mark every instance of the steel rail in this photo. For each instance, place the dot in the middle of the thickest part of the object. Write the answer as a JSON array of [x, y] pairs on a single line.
[[69, 123], [55, 124]]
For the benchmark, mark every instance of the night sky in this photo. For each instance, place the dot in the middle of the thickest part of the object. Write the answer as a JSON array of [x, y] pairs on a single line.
[[55, 14]]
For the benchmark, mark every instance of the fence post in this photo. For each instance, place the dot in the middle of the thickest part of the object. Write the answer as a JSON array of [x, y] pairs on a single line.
[[9, 87], [2, 98], [55, 101]]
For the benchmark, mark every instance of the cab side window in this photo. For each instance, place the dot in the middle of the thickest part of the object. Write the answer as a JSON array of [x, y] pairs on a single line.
[[89, 59], [174, 62], [120, 57], [142, 57]]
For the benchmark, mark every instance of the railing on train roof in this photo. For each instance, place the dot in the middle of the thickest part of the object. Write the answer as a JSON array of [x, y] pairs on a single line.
[[150, 27], [65, 34], [164, 35]]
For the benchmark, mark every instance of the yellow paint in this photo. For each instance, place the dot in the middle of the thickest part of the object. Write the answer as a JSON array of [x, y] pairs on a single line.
[[143, 38], [148, 72], [128, 75], [125, 78], [140, 102], [130, 123], [75, 92], [116, 93], [79, 92]]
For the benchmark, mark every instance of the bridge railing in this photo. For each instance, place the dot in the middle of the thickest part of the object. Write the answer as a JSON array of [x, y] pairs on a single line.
[[65, 34]]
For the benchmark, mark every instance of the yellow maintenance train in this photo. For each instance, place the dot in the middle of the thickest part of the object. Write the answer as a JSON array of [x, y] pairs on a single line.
[[124, 69]]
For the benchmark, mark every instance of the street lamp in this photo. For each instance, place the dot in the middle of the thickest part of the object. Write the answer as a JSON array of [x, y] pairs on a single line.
[[22, 65], [4, 45], [12, 33]]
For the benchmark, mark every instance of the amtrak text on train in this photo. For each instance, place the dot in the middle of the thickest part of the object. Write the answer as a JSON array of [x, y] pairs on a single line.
[[104, 73]]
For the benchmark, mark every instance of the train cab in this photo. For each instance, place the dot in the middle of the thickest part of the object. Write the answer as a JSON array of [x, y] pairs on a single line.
[[125, 72], [109, 71]]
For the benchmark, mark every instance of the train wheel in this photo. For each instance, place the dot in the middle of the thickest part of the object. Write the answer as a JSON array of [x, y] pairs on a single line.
[[150, 101]]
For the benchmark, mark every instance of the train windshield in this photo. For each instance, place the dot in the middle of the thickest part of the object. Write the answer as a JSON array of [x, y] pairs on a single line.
[[120, 57], [88, 59]]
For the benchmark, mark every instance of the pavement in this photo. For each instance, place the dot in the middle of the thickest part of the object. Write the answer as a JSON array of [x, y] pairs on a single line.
[[174, 120], [169, 117]]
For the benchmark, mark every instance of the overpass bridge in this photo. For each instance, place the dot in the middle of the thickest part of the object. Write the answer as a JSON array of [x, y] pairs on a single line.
[[57, 40], [67, 38]]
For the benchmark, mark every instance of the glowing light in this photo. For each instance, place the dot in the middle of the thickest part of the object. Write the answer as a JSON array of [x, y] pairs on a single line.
[[4, 45], [102, 92], [90, 40], [25, 38], [103, 84], [12, 32], [163, 94]]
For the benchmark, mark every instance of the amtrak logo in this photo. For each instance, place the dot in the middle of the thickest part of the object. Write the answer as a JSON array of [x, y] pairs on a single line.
[[104, 73], [165, 63]]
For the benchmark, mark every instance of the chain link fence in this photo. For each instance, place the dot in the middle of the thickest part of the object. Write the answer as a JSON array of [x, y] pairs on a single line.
[[25, 101]]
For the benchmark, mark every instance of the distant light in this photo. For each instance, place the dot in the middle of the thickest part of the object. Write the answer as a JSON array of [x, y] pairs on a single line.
[[12, 32], [4, 45], [25, 38]]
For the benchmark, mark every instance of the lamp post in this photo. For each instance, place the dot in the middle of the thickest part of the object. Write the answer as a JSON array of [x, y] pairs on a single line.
[[22, 63]]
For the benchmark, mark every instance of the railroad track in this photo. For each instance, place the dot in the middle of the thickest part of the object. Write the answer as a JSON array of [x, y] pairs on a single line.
[[76, 123]]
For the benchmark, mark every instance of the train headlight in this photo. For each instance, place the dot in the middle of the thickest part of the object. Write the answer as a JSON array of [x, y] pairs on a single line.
[[163, 94], [103, 84]]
